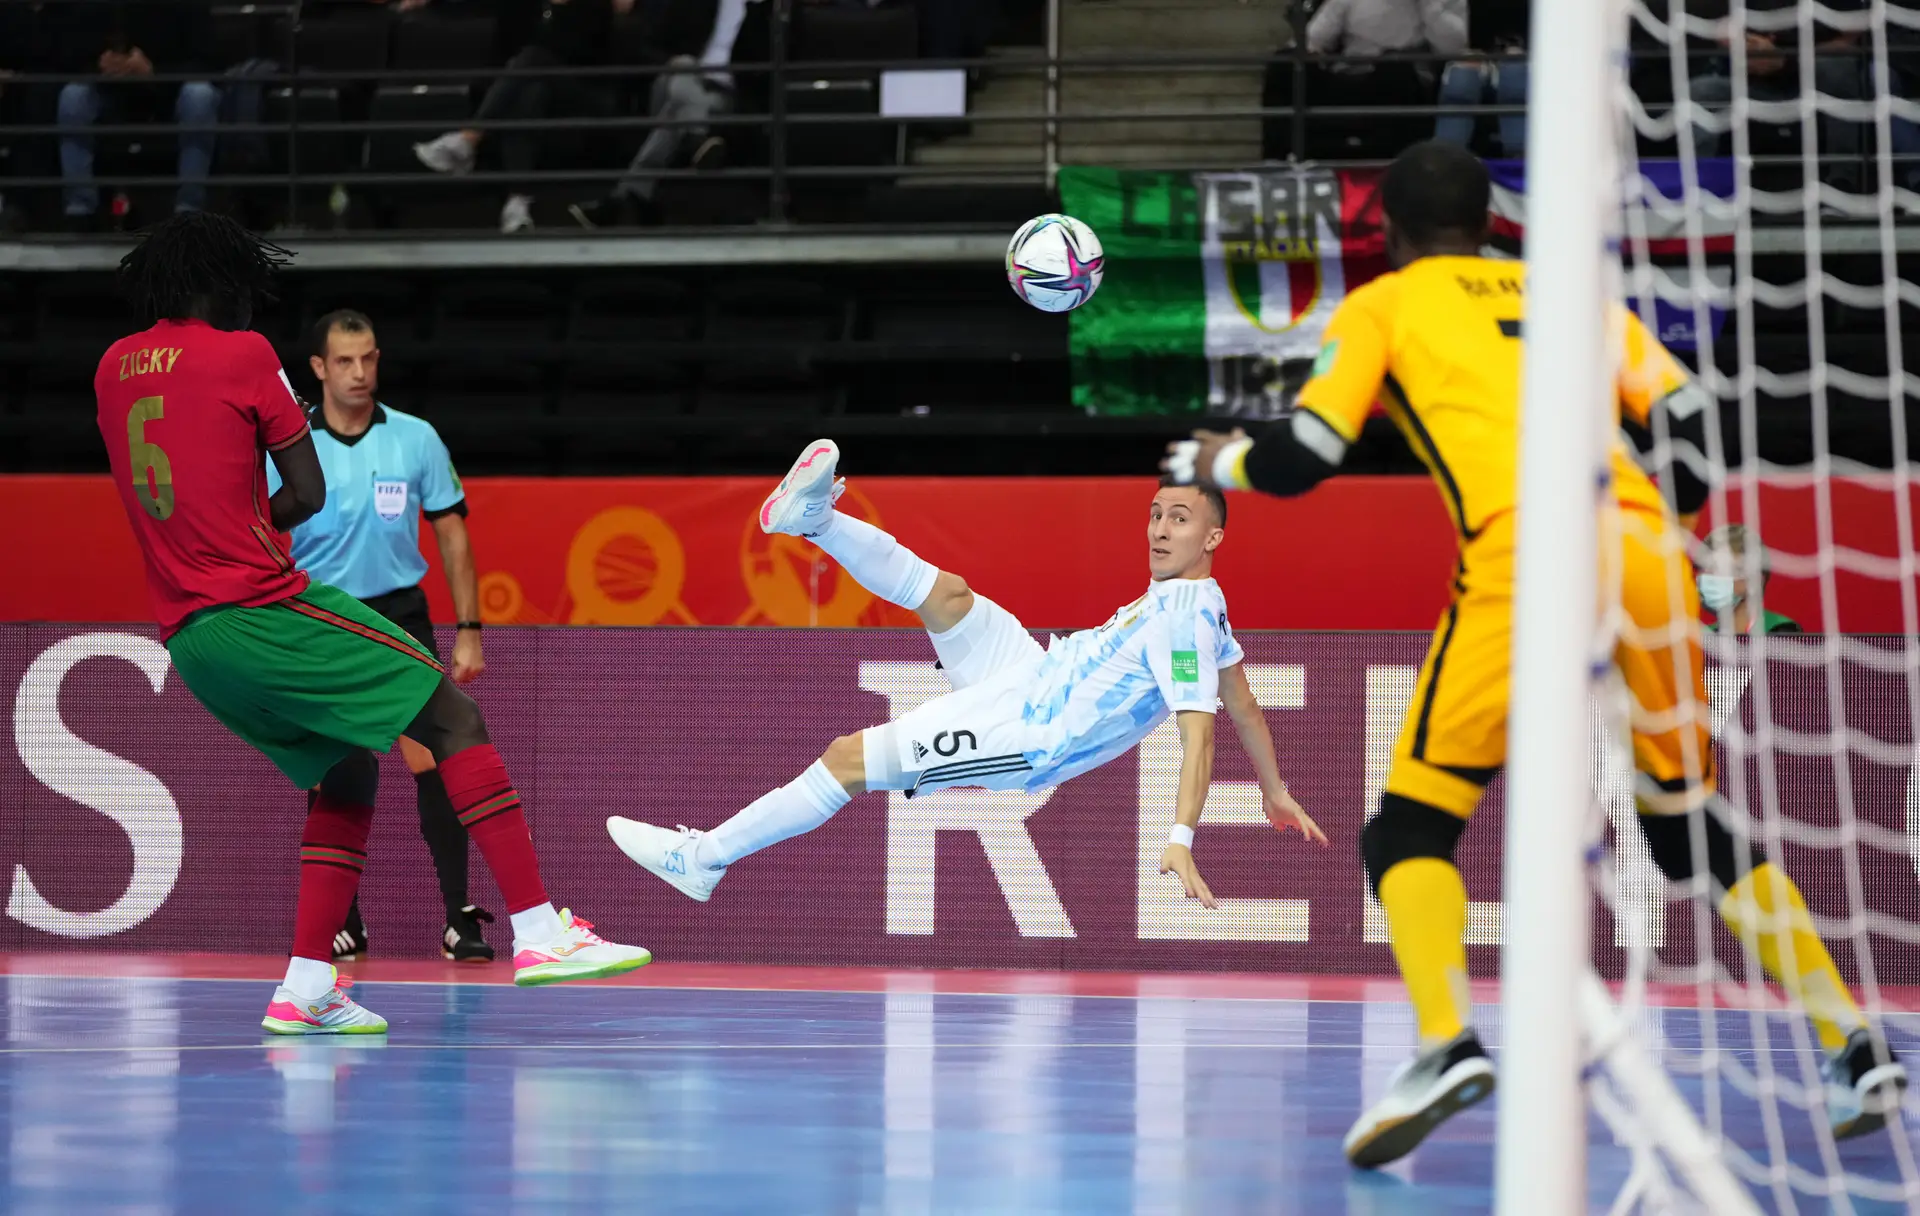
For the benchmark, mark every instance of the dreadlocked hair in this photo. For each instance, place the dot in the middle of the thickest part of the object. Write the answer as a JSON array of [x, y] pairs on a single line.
[[199, 264]]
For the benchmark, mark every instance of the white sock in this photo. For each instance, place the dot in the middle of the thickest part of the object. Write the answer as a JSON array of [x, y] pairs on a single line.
[[309, 978], [538, 924], [801, 805], [877, 561]]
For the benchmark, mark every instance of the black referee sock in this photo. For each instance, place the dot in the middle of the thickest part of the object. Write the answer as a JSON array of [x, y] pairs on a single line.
[[446, 839]]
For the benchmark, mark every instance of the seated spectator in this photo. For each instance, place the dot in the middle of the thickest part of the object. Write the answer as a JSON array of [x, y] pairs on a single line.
[[570, 33], [125, 43], [1363, 30], [1728, 593], [1367, 29], [682, 27], [1773, 74], [1502, 26]]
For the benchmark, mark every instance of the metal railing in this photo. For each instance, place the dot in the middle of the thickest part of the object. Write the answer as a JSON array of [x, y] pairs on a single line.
[[778, 123]]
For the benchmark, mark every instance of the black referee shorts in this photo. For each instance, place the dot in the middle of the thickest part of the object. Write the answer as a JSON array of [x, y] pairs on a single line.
[[407, 608]]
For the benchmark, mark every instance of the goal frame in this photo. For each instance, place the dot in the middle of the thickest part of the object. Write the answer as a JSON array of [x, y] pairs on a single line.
[[1560, 1021], [1573, 198]]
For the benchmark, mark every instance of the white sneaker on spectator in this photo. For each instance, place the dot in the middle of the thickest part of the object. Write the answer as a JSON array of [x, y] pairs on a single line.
[[517, 214], [450, 153]]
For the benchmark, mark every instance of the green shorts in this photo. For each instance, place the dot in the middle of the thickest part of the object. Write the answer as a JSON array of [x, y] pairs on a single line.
[[306, 680]]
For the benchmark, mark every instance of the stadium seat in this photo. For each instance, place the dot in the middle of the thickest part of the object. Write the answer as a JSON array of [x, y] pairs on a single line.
[[767, 310], [312, 153], [874, 143], [489, 311], [80, 315], [611, 374], [346, 40], [486, 411], [630, 309], [822, 35], [56, 408], [783, 403], [237, 33], [428, 41], [972, 323]]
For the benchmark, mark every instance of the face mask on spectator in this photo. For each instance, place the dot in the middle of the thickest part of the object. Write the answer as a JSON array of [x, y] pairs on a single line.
[[1716, 592]]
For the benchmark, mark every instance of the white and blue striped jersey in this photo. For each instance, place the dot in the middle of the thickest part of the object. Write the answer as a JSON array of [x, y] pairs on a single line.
[[1099, 692]]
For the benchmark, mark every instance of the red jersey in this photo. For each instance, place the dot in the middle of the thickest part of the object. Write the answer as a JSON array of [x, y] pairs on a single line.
[[186, 411]]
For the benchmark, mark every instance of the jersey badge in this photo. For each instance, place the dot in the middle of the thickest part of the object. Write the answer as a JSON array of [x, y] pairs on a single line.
[[1186, 667], [390, 499]]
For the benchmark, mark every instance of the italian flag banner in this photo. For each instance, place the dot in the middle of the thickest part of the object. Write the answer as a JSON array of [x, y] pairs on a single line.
[[1219, 284]]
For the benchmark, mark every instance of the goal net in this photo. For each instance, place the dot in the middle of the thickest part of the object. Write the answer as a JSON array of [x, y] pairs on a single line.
[[1764, 224]]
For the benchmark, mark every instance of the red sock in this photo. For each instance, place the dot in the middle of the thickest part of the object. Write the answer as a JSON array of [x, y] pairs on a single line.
[[489, 808], [333, 851]]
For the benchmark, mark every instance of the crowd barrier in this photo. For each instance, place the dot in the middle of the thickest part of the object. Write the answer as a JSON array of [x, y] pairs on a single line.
[[133, 821]]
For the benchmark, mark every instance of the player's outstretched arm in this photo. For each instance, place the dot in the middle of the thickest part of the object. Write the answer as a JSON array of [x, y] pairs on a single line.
[[303, 487], [1251, 725], [1196, 774]]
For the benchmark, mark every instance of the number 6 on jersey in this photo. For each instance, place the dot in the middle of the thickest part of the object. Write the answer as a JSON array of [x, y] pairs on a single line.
[[152, 471]]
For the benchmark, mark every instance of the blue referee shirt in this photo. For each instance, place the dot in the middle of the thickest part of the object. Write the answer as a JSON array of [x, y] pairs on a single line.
[[366, 540]]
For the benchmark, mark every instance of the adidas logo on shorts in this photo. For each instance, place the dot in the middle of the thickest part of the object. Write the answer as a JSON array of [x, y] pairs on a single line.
[[919, 750]]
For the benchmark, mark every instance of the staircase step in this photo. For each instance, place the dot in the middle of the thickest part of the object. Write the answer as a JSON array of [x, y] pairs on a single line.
[[1162, 156], [958, 154], [1123, 131], [1116, 93], [1205, 25]]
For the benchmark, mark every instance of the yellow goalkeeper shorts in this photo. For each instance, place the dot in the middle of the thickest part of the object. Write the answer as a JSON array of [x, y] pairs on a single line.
[[1454, 738]]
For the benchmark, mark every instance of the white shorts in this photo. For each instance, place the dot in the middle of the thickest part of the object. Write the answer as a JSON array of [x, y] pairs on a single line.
[[974, 735], [987, 641]]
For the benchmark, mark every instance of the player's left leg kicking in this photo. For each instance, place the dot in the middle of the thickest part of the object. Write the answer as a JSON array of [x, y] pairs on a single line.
[[974, 638]]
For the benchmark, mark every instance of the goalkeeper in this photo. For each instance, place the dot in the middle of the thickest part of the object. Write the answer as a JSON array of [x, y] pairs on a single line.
[[1437, 342]]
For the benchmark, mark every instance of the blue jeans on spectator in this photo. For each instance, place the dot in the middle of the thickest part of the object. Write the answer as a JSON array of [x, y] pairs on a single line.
[[1467, 83], [197, 104]]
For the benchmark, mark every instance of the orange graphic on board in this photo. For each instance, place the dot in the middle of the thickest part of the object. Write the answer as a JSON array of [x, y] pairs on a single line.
[[791, 582], [626, 566]]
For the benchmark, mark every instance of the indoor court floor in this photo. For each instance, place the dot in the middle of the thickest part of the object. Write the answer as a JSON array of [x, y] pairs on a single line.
[[144, 1085]]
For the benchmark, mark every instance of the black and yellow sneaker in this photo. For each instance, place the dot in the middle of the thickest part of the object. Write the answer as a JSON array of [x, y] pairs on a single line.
[[1865, 1083], [462, 942]]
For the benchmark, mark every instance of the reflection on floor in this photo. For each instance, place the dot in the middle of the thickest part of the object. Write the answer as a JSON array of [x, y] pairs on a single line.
[[144, 1085]]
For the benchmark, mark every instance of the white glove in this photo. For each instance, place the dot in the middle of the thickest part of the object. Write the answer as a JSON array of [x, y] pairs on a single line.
[[1181, 458]]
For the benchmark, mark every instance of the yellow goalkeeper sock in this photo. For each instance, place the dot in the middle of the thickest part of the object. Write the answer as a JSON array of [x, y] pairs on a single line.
[[1767, 905], [1426, 905]]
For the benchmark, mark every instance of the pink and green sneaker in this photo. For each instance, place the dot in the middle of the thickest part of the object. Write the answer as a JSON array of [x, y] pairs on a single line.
[[334, 1013], [577, 954]]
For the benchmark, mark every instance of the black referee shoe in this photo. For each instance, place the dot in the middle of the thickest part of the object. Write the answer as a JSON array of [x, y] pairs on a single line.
[[462, 942], [350, 944]]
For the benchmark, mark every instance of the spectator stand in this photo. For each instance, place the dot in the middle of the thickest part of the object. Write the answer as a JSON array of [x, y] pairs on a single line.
[[842, 265]]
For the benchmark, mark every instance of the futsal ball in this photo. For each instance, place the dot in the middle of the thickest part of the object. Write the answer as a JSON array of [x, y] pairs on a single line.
[[1054, 263]]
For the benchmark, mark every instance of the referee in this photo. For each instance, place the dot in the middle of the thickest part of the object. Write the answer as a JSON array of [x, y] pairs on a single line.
[[386, 469]]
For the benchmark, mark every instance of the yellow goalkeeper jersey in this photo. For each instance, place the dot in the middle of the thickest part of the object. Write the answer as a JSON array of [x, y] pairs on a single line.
[[1437, 344]]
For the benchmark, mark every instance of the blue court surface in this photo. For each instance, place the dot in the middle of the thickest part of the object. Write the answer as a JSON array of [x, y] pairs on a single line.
[[159, 1094]]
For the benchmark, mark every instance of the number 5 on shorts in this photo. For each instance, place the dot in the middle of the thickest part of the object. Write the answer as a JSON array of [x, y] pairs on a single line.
[[146, 460]]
